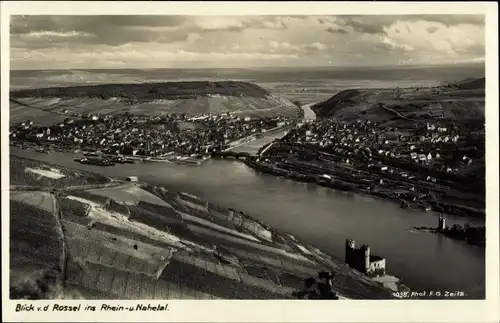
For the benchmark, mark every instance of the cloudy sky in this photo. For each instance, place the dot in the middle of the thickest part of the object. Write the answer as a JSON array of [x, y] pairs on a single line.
[[41, 42]]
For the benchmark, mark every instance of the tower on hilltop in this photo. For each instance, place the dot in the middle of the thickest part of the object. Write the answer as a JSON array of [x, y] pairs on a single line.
[[362, 260], [441, 223], [350, 248], [366, 257]]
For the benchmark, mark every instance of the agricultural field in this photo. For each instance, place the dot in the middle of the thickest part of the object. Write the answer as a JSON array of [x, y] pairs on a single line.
[[40, 200], [42, 113], [33, 265], [220, 283], [458, 101], [33, 173], [306, 92], [97, 281], [72, 208], [147, 91], [129, 194], [462, 110], [137, 241], [169, 221], [112, 256], [53, 105], [21, 113]]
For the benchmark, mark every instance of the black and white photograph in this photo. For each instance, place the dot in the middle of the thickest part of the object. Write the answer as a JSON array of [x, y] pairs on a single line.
[[162, 156]]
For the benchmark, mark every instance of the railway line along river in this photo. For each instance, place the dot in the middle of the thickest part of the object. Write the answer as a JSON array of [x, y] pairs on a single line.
[[320, 216]]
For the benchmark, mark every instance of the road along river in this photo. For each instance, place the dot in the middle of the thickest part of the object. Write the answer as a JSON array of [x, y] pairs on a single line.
[[320, 216]]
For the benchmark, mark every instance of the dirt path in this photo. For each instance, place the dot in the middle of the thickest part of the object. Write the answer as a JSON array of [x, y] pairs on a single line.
[[62, 232]]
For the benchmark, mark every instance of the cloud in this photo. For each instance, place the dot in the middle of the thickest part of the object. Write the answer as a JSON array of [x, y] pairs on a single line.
[[134, 55], [336, 30], [451, 20], [27, 24], [378, 24], [304, 49], [432, 29], [283, 46], [314, 47], [361, 26], [109, 30], [209, 23], [405, 61], [41, 34], [117, 30], [190, 41], [390, 44]]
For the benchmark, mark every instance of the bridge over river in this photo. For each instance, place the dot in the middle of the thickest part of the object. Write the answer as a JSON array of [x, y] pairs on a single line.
[[253, 146]]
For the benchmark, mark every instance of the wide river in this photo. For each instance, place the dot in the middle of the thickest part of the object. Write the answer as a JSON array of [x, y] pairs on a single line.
[[321, 217]]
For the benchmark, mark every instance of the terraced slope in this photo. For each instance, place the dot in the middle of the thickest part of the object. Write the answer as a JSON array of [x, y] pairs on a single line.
[[148, 91], [36, 246], [31, 173], [136, 241], [462, 100], [49, 105]]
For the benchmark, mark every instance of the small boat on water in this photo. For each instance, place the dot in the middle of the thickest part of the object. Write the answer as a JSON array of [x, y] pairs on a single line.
[[160, 160], [405, 204], [43, 151], [190, 162]]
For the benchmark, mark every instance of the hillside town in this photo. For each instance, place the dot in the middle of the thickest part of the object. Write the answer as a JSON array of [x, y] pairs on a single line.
[[133, 135], [432, 165], [435, 145]]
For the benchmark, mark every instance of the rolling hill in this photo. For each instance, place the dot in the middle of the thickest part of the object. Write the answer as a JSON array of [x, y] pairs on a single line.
[[193, 97], [463, 100]]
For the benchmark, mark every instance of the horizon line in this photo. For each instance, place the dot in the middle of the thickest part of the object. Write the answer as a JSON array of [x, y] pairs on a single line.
[[254, 67]]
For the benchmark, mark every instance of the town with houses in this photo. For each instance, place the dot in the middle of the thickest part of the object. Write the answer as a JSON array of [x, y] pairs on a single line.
[[430, 144], [413, 163], [179, 136], [426, 165]]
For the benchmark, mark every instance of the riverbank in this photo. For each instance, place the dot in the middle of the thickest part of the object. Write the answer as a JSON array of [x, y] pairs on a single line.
[[191, 160], [320, 216], [257, 137], [343, 182], [194, 161], [475, 236], [128, 199]]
